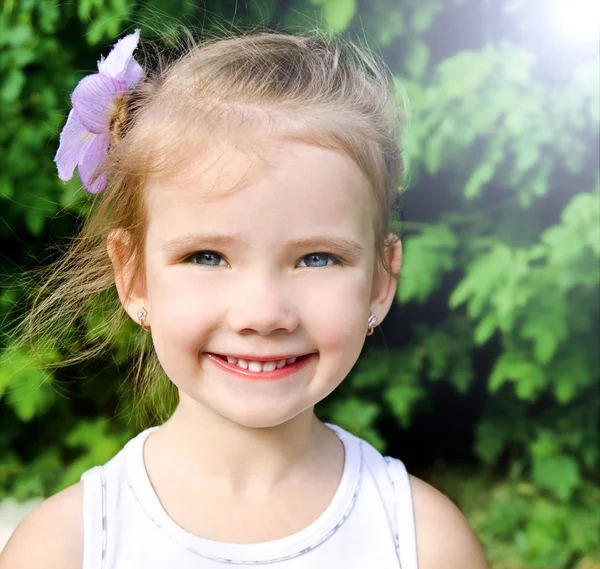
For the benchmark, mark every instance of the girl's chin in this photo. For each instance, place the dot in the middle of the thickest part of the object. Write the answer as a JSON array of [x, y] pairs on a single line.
[[263, 410], [259, 418]]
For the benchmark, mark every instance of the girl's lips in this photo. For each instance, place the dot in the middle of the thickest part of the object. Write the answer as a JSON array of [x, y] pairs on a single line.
[[280, 373]]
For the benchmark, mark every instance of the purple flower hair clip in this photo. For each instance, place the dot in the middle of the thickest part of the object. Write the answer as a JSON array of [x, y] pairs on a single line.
[[84, 140]]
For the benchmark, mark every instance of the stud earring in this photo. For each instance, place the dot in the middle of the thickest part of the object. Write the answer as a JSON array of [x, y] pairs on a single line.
[[141, 316], [371, 324]]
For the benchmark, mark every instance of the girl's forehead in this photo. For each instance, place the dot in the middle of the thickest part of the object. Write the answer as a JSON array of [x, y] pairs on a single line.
[[227, 166], [285, 184], [215, 170]]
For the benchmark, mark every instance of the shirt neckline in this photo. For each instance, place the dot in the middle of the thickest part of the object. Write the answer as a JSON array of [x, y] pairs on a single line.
[[253, 553]]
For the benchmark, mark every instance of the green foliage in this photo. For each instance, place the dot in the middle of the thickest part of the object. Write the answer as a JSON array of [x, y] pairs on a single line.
[[359, 417], [337, 14], [105, 17], [96, 442], [395, 377], [521, 528], [516, 261], [481, 120], [426, 257], [28, 388], [262, 10]]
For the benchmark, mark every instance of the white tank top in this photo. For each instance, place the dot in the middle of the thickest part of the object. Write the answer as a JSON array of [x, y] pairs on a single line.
[[369, 523]]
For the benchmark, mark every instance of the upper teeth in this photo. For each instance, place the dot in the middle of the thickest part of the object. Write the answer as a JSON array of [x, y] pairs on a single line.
[[260, 366]]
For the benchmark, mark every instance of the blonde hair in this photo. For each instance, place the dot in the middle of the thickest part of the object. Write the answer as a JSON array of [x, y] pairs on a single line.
[[342, 98]]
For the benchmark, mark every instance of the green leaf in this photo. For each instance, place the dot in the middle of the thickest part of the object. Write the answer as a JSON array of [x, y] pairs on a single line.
[[570, 374], [482, 174], [28, 388], [390, 27], [402, 400], [545, 322], [355, 415], [422, 16], [426, 257], [49, 16], [545, 445], [462, 373], [485, 275], [485, 329], [490, 438], [12, 85], [376, 367], [559, 474], [96, 442], [546, 340], [515, 367], [417, 59], [15, 36], [338, 13]]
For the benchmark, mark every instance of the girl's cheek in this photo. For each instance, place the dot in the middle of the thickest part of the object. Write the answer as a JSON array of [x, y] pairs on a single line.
[[336, 310], [184, 305]]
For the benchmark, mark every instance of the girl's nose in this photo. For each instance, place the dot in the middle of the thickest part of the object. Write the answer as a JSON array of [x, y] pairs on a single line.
[[262, 306]]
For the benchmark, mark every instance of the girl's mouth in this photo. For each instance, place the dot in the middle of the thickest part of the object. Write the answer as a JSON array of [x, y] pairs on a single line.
[[265, 369]]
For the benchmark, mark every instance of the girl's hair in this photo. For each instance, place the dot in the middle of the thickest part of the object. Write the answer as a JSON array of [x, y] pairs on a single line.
[[327, 90]]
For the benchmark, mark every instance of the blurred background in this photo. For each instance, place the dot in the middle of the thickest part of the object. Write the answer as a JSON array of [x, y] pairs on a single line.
[[485, 378]]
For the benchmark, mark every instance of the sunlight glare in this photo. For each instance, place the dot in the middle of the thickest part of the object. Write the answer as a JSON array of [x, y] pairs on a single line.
[[578, 20]]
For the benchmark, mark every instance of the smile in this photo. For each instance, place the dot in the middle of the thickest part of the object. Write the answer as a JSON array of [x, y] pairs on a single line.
[[260, 369]]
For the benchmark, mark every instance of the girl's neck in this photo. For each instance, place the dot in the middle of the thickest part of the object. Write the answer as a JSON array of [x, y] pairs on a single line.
[[202, 446]]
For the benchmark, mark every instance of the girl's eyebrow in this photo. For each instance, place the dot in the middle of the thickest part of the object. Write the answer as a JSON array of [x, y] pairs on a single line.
[[342, 245], [194, 239]]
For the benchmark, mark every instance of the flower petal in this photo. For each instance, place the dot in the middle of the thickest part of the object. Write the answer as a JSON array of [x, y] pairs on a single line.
[[118, 60], [133, 73], [94, 100], [74, 142], [92, 166]]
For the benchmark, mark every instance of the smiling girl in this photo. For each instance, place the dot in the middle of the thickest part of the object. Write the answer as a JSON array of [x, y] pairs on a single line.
[[246, 197]]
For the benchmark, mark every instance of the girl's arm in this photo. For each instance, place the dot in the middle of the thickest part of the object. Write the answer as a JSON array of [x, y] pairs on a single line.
[[51, 536], [444, 539]]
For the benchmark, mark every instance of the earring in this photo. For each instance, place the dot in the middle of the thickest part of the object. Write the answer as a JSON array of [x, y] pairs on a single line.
[[371, 324], [141, 315]]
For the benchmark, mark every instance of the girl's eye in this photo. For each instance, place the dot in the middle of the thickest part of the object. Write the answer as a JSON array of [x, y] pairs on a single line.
[[209, 258], [318, 260]]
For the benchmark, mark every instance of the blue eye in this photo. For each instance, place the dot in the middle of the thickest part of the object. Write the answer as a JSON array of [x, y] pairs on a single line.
[[209, 258], [318, 260]]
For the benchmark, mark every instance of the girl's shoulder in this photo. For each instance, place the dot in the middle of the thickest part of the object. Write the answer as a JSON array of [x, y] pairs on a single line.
[[51, 536], [443, 536], [424, 515]]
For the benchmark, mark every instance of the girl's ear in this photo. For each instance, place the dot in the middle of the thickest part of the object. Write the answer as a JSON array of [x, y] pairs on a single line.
[[129, 285], [384, 284]]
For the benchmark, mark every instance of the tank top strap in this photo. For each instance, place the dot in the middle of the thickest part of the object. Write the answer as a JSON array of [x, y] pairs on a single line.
[[94, 518], [404, 518], [393, 484]]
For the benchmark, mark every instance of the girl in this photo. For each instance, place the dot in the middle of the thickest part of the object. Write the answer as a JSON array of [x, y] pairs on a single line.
[[247, 190]]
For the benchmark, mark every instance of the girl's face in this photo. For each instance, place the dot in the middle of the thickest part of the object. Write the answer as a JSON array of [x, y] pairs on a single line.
[[251, 262]]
